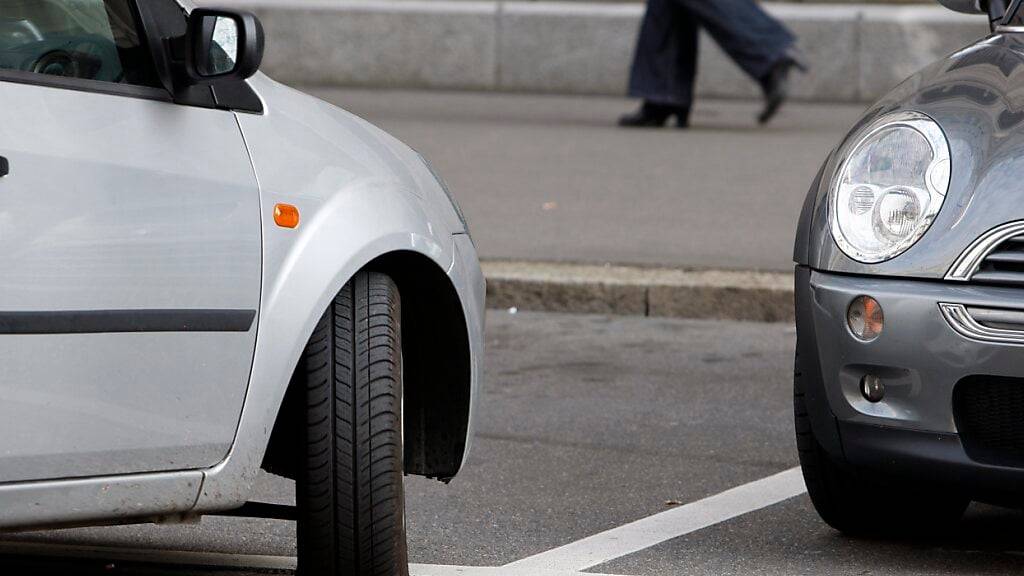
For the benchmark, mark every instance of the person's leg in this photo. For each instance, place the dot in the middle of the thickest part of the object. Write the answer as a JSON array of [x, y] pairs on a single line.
[[754, 39], [760, 44], [664, 65]]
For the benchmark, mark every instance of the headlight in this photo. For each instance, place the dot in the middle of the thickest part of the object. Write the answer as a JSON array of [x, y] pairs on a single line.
[[892, 180]]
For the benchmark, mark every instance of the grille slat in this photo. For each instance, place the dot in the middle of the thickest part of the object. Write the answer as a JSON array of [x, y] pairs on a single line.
[[989, 413], [999, 277], [1006, 256]]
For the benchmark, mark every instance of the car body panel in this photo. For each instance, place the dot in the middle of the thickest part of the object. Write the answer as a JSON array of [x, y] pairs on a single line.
[[87, 501], [912, 433], [976, 96], [919, 355], [467, 275], [114, 221], [361, 194]]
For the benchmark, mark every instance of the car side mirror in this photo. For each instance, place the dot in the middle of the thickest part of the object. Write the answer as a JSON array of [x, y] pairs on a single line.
[[223, 45], [966, 6], [996, 9]]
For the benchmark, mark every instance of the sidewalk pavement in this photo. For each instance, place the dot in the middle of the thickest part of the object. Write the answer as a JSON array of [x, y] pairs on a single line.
[[551, 179]]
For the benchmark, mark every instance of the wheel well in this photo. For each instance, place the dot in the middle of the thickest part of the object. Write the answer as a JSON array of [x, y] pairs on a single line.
[[437, 374]]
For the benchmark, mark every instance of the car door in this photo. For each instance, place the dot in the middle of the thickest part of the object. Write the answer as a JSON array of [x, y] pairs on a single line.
[[130, 254]]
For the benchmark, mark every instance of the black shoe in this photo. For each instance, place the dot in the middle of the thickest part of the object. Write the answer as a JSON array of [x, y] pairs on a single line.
[[776, 86], [652, 115]]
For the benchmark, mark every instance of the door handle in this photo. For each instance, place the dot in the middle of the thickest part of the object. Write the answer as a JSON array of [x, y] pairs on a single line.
[[5, 167]]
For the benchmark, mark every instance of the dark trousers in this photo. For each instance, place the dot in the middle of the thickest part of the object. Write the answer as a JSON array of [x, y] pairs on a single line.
[[665, 63]]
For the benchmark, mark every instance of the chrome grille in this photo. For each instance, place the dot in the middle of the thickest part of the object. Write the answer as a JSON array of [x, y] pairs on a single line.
[[1004, 265], [997, 257]]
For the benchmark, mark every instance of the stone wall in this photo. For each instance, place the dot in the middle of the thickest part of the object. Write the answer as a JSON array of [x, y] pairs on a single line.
[[857, 52]]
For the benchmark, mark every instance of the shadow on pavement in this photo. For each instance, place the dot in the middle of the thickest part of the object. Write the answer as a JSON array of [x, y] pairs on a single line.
[[36, 566], [983, 529]]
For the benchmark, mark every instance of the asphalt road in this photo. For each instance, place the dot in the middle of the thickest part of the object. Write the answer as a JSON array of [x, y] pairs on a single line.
[[589, 423], [552, 178]]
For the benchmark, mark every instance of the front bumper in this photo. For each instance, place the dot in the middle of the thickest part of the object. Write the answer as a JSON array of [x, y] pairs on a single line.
[[919, 356]]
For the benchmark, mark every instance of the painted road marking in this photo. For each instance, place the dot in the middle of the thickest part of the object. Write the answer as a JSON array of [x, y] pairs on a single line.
[[653, 530], [569, 560], [433, 570]]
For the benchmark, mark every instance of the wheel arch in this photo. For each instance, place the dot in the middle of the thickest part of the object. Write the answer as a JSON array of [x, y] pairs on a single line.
[[437, 379], [369, 223]]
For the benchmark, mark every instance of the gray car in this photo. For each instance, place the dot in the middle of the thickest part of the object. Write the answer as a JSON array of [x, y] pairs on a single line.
[[206, 273], [909, 380]]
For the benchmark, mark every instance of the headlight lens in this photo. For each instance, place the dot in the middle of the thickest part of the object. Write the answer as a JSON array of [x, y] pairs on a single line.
[[891, 183]]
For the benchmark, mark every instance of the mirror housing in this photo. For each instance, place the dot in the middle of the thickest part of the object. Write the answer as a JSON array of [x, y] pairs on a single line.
[[995, 9], [222, 46], [965, 6]]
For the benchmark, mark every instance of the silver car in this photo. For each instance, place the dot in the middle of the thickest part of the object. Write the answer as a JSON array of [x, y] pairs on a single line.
[[909, 386], [205, 273]]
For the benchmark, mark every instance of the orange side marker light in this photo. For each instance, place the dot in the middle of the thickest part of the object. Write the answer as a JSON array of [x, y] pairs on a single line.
[[286, 216]]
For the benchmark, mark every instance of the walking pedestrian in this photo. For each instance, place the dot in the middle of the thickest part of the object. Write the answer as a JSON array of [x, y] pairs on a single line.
[[665, 63]]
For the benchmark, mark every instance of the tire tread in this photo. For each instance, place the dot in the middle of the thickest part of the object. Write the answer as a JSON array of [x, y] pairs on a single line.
[[350, 490]]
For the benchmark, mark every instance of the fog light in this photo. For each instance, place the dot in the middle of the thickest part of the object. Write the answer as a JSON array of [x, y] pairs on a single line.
[[865, 318], [872, 388]]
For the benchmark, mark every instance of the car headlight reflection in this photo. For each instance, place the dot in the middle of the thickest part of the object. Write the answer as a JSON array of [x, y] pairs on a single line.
[[891, 183]]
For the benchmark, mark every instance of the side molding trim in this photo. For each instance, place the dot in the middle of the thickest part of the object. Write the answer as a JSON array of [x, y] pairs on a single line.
[[126, 321]]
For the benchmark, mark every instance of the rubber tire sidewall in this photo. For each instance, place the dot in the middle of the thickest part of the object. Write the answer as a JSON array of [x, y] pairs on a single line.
[[350, 490]]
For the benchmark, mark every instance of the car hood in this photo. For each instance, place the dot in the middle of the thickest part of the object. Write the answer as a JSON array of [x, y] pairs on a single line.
[[977, 96]]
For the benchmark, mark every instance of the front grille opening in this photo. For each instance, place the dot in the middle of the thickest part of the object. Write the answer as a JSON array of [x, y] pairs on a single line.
[[989, 413], [1005, 265]]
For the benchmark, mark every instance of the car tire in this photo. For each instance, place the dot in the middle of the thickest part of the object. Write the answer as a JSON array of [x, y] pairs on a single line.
[[349, 491], [858, 503]]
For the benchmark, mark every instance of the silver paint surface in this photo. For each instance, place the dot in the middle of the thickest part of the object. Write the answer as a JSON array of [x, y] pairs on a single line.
[[361, 194], [190, 226], [118, 203]]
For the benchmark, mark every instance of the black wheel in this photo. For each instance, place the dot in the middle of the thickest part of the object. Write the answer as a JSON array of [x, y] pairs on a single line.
[[349, 491], [863, 503]]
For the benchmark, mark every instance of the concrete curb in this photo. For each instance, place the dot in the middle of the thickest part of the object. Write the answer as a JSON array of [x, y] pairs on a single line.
[[857, 52], [626, 290]]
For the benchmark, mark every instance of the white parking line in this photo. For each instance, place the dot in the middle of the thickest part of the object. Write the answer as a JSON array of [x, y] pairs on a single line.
[[643, 534], [569, 560], [434, 570]]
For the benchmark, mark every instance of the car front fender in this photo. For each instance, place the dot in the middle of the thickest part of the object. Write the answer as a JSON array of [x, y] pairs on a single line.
[[973, 95], [343, 238], [361, 195]]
